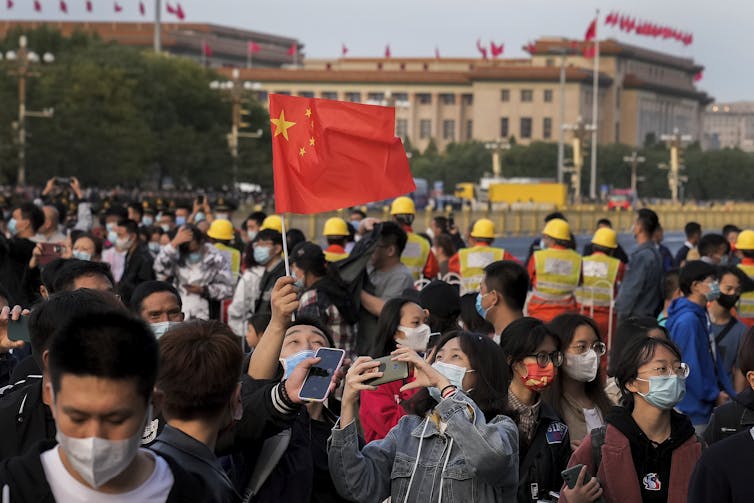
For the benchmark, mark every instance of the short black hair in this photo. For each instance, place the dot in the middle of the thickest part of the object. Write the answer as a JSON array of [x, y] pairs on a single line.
[[692, 228], [270, 235], [316, 323], [745, 359], [137, 207], [257, 216], [391, 234], [638, 351], [356, 211], [522, 338], [670, 283], [75, 268], [48, 273], [648, 220], [629, 329], [260, 321], [710, 243], [604, 221], [727, 229], [148, 288], [442, 222], [88, 235], [293, 237], [47, 316], [510, 279], [132, 227], [693, 271], [470, 317], [387, 325], [554, 215], [34, 214], [112, 344]]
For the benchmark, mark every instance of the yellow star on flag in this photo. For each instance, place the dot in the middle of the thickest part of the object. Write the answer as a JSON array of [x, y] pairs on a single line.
[[282, 125], [302, 151], [308, 112], [311, 142]]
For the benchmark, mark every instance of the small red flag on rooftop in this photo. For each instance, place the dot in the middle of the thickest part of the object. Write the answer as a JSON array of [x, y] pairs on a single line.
[[63, 7], [254, 47], [388, 53], [343, 50], [89, 6], [329, 154], [37, 6], [142, 9], [591, 31], [9, 4]]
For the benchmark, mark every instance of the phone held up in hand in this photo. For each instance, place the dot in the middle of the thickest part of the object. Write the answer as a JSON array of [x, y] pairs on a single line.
[[316, 386], [391, 371]]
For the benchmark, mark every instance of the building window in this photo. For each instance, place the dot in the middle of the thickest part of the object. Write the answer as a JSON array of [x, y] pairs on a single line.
[[449, 130], [448, 99], [306, 94], [401, 128], [525, 127], [353, 97], [262, 96], [425, 129], [547, 128], [329, 95], [504, 127], [284, 93], [505, 95], [548, 95], [400, 96], [527, 95], [467, 99], [469, 129], [375, 96], [424, 98], [549, 62]]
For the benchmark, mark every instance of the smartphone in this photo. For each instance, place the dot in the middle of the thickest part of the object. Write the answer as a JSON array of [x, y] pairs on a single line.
[[392, 371], [316, 386], [571, 475], [19, 330], [61, 180], [200, 199], [50, 251]]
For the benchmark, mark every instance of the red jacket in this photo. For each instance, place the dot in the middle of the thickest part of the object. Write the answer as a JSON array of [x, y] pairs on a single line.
[[381, 409], [617, 473]]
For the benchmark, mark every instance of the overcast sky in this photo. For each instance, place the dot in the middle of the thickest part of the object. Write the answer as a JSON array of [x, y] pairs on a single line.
[[723, 31]]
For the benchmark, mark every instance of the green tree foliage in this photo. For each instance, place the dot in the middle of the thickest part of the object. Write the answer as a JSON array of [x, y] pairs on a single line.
[[124, 116]]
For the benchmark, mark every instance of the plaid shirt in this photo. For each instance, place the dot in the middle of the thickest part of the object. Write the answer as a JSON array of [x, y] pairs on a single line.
[[528, 416], [318, 306]]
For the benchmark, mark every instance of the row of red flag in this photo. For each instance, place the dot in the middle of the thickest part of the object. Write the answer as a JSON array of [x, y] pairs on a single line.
[[630, 24], [176, 10], [251, 48], [495, 50]]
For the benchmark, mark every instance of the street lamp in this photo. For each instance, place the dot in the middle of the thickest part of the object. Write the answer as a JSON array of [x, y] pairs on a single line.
[[22, 59]]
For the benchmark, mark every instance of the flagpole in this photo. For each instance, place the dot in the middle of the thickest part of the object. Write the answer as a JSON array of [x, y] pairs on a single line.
[[595, 95], [285, 245], [157, 26], [248, 57]]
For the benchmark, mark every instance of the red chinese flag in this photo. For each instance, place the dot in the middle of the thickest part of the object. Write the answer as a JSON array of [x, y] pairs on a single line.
[[37, 6], [343, 50], [89, 7], [142, 9], [329, 154], [388, 53], [117, 7], [591, 31], [170, 8], [292, 49], [589, 51], [9, 4], [437, 53], [698, 76], [206, 49], [254, 47], [63, 7], [179, 12]]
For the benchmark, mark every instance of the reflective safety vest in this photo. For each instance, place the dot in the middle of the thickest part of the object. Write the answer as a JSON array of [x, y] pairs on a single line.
[[234, 259], [557, 273], [599, 273], [415, 254], [746, 305], [472, 264]]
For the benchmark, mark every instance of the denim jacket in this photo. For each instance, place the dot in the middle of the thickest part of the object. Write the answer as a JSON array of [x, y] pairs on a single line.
[[471, 461]]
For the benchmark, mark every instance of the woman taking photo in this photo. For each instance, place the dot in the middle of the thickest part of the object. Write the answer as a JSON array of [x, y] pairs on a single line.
[[533, 356], [648, 451], [577, 394], [457, 447], [401, 321]]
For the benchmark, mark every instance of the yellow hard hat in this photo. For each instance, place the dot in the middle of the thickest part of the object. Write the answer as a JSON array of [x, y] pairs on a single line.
[[745, 240], [335, 227], [274, 222], [483, 228], [403, 206], [558, 229], [221, 229], [605, 237]]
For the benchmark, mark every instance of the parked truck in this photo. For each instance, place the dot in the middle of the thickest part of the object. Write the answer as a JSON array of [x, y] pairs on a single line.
[[513, 191]]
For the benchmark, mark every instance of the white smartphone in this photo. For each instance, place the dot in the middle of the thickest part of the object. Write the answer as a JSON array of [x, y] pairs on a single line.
[[316, 386]]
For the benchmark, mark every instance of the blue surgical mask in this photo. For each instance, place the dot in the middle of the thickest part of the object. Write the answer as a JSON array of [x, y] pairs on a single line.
[[252, 235], [200, 217], [194, 257], [714, 291], [165, 227], [180, 220], [110, 226], [452, 373], [292, 361], [159, 329], [664, 391], [154, 247], [12, 226], [82, 255], [262, 254], [299, 283], [479, 309], [112, 236], [147, 221]]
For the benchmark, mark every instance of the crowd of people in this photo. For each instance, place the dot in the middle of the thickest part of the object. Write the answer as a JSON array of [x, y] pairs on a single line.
[[157, 353]]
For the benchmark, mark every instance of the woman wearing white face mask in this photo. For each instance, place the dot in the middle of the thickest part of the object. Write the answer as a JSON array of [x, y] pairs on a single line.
[[460, 448], [647, 451], [578, 395], [401, 321]]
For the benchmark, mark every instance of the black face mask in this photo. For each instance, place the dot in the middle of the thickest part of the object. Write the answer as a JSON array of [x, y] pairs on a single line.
[[728, 301]]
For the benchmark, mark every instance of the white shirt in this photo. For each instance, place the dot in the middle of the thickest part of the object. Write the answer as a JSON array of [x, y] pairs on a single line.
[[66, 488]]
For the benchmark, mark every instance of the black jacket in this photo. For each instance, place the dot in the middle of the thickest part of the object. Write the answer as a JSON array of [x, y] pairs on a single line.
[[24, 419], [723, 473], [541, 463], [26, 480], [265, 288], [15, 254], [732, 417], [137, 270]]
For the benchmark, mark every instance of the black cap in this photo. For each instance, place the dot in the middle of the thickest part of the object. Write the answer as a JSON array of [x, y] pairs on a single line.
[[441, 299], [308, 256], [695, 270]]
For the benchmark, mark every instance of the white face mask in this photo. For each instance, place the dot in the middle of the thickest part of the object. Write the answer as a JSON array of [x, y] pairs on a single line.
[[159, 329], [416, 338], [453, 373], [99, 460], [582, 368]]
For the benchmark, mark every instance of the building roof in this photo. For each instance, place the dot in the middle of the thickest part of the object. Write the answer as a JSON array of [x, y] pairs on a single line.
[[631, 81]]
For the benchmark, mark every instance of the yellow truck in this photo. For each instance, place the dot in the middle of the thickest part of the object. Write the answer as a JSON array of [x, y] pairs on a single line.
[[499, 191]]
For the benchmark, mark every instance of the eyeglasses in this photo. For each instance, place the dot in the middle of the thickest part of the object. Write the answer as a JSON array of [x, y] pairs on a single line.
[[544, 359], [682, 370], [581, 348]]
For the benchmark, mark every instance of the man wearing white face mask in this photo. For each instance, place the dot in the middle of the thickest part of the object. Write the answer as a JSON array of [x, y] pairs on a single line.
[[102, 370], [159, 304], [138, 262]]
